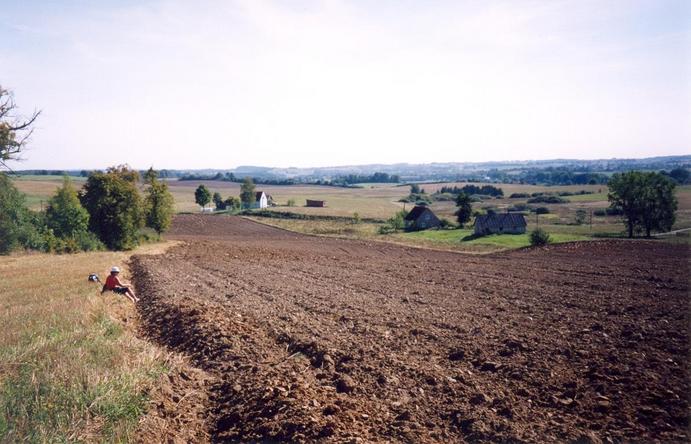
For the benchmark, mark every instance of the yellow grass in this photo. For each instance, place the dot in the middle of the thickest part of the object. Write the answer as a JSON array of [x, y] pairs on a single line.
[[71, 366]]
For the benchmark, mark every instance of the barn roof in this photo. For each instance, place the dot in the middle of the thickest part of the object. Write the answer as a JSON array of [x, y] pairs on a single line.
[[501, 220], [416, 212]]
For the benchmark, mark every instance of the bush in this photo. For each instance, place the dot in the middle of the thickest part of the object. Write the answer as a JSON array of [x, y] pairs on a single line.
[[541, 210], [519, 207], [386, 229], [445, 223], [608, 212], [291, 202], [519, 196], [539, 237], [547, 199]]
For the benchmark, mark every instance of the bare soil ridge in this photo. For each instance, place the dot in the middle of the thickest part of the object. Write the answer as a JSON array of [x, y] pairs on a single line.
[[318, 338]]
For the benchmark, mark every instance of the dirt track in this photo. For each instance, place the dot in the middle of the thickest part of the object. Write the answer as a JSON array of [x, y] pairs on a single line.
[[315, 338]]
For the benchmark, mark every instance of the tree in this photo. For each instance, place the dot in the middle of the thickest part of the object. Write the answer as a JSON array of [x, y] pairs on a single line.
[[659, 204], [465, 209], [646, 200], [539, 237], [581, 216], [158, 203], [218, 201], [247, 195], [65, 215], [115, 207], [414, 189], [13, 215], [681, 175], [202, 195], [15, 129], [232, 203]]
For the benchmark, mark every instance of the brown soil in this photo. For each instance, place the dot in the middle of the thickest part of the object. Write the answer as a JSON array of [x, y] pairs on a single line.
[[317, 338]]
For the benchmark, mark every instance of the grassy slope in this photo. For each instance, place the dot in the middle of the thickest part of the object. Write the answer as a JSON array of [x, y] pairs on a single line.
[[71, 367], [498, 241]]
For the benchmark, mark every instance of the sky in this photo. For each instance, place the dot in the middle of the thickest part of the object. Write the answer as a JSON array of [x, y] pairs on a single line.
[[219, 84]]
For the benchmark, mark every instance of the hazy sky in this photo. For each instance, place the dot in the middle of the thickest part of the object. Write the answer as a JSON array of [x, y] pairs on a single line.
[[193, 84]]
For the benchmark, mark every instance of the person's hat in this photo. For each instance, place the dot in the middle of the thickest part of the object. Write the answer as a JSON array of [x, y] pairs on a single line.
[[115, 270]]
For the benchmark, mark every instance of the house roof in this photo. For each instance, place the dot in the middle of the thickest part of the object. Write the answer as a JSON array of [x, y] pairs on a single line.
[[258, 194], [416, 212], [501, 220]]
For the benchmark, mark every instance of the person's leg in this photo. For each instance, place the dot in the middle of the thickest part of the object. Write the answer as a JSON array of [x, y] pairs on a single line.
[[132, 295], [125, 291]]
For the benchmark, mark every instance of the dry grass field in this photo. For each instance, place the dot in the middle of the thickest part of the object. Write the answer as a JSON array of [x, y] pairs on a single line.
[[72, 368]]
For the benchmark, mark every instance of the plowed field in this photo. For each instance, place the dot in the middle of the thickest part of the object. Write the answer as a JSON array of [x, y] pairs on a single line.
[[319, 338]]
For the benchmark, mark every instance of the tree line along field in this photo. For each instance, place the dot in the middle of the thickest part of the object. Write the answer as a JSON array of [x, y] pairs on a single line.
[[381, 201]]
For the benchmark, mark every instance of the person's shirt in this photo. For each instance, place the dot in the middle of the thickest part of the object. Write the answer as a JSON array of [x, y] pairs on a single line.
[[112, 281]]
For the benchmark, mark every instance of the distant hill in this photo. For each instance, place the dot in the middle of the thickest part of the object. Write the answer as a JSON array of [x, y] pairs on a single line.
[[526, 171]]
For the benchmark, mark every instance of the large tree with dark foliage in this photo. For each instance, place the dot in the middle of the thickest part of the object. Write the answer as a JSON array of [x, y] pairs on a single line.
[[247, 196], [681, 175], [646, 200], [158, 203], [202, 195], [15, 129], [465, 208], [115, 207]]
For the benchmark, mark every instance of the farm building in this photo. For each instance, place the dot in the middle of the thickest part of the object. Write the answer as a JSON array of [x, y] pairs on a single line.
[[316, 203], [511, 223], [421, 218], [261, 200]]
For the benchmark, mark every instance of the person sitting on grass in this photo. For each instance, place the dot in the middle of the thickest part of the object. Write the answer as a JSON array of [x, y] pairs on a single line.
[[114, 284]]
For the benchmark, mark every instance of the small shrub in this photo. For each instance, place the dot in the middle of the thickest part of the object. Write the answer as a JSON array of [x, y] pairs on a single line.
[[547, 199], [386, 229], [541, 210], [539, 237], [291, 202], [356, 218], [445, 223], [519, 196], [581, 216]]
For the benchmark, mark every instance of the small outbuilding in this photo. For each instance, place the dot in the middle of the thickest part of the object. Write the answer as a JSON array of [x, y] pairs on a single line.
[[508, 223], [421, 218], [261, 200], [316, 203]]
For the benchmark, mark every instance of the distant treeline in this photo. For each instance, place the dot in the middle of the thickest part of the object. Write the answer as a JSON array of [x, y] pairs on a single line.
[[230, 177], [548, 176], [485, 190], [360, 178], [347, 180]]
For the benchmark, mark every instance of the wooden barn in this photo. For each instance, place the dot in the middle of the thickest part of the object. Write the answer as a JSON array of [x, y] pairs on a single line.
[[510, 223], [316, 203], [421, 218]]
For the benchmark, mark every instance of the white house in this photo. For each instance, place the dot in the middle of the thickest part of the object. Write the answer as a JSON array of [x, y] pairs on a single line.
[[261, 200]]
